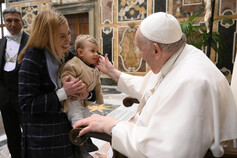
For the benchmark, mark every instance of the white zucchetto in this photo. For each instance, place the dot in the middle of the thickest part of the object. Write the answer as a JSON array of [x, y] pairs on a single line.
[[162, 28]]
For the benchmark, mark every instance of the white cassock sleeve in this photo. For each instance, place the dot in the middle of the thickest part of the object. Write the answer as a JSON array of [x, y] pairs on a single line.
[[180, 120], [137, 85]]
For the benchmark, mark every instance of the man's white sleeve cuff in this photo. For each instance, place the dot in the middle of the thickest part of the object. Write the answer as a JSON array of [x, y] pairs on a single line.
[[61, 94]]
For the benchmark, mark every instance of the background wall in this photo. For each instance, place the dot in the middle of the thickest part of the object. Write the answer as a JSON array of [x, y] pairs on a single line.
[[119, 19], [114, 23]]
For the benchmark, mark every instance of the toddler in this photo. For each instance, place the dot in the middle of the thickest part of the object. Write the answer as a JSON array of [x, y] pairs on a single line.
[[82, 66]]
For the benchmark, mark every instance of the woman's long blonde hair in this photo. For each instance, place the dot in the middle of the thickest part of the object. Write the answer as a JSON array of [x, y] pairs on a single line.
[[45, 33]]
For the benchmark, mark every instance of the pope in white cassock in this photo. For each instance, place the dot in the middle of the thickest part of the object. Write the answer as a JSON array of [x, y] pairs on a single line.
[[186, 104]]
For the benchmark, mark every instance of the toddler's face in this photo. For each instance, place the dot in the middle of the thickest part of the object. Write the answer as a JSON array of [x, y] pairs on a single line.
[[89, 53]]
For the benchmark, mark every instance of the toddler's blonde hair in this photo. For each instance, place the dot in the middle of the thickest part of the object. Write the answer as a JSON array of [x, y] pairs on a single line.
[[81, 39]]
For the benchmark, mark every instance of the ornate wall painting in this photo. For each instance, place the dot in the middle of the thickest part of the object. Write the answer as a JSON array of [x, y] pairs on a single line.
[[55, 2], [185, 8], [72, 1], [107, 38], [129, 59], [191, 2], [227, 7], [160, 6], [107, 11], [45, 6], [227, 56], [132, 10], [28, 14]]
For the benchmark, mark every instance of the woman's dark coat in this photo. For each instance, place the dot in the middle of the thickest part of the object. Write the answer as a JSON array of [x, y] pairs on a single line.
[[45, 127]]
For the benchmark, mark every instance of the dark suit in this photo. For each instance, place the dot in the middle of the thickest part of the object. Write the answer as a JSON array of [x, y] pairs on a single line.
[[9, 104]]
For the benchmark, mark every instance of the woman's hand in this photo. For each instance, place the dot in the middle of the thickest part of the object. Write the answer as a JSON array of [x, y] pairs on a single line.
[[75, 88], [82, 93]]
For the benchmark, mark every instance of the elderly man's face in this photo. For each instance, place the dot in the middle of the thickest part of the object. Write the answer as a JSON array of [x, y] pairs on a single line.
[[144, 48], [13, 23]]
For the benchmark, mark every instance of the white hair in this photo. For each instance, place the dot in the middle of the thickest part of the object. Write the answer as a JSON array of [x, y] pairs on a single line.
[[172, 47]]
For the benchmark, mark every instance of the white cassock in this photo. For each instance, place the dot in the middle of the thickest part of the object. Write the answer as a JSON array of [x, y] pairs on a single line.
[[234, 87], [190, 111], [234, 80]]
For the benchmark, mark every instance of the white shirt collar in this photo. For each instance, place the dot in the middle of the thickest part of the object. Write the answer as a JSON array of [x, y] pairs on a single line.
[[14, 37]]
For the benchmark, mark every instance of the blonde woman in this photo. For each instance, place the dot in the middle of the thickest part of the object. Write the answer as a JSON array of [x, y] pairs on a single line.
[[45, 126]]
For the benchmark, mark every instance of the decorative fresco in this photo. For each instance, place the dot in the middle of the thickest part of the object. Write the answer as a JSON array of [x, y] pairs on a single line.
[[227, 7], [129, 59], [28, 14], [131, 10], [191, 2], [107, 36], [159, 6], [227, 56], [55, 1], [185, 8], [228, 31], [45, 6], [106, 11]]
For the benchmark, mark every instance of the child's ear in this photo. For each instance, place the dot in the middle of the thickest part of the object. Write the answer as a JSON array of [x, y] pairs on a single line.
[[79, 52]]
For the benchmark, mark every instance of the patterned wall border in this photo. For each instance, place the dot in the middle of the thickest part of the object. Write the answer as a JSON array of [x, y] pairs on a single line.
[[129, 61], [107, 42], [107, 14], [134, 10], [225, 58], [160, 6], [227, 7], [234, 45], [45, 6], [191, 2], [28, 14]]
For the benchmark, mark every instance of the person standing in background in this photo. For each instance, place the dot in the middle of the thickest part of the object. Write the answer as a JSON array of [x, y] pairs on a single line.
[[10, 47]]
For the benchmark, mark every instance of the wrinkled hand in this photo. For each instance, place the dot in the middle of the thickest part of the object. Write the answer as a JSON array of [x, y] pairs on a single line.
[[75, 88], [105, 65], [96, 123], [107, 68]]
